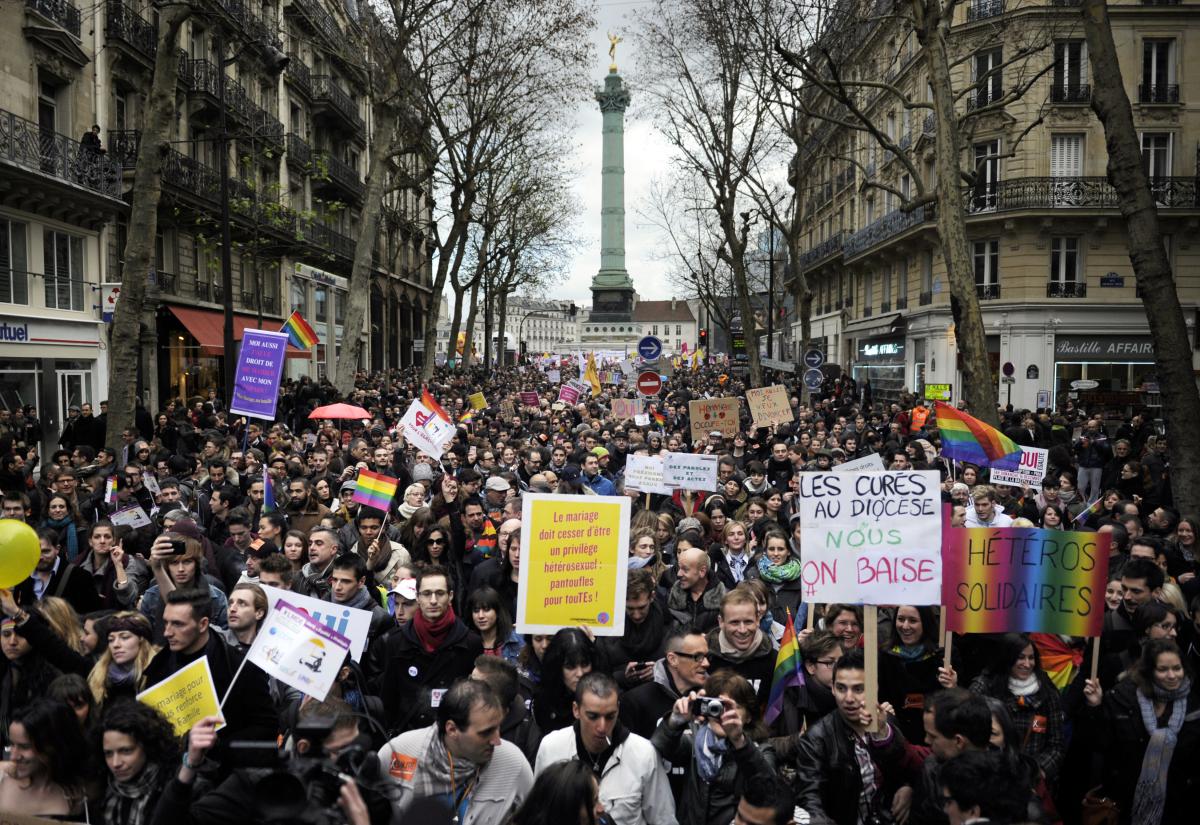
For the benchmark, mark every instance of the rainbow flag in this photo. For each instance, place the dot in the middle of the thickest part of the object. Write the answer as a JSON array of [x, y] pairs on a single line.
[[486, 545], [268, 495], [300, 334], [1059, 660], [788, 671], [660, 419], [1093, 509], [467, 417], [111, 488], [433, 406], [375, 490], [966, 438]]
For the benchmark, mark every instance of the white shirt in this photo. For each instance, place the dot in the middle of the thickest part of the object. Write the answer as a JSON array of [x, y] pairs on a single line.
[[999, 519]]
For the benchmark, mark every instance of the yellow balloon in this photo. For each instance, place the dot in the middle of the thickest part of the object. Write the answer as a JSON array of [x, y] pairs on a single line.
[[19, 552]]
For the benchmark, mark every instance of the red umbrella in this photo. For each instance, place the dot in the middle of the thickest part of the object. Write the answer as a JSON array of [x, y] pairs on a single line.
[[339, 411]]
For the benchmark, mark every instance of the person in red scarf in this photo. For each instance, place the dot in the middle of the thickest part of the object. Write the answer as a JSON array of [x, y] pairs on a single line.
[[426, 656]]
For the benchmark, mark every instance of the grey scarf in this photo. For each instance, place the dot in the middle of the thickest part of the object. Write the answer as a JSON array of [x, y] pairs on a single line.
[[126, 802], [440, 774], [1150, 794]]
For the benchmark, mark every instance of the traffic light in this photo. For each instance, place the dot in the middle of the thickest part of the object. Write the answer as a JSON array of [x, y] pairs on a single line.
[[704, 338]]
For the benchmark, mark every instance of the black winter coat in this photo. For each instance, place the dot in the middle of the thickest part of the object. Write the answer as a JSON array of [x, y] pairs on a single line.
[[828, 780], [713, 802], [411, 676]]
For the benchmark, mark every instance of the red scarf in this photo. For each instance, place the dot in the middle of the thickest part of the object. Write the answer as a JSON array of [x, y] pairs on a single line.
[[432, 634]]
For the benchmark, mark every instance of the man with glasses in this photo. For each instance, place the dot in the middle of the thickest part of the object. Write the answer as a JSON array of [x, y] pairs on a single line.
[[683, 668], [426, 656], [134, 490], [807, 704]]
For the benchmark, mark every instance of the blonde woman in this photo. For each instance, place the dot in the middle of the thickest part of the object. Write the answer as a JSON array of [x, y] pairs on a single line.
[[64, 621], [645, 552], [120, 668]]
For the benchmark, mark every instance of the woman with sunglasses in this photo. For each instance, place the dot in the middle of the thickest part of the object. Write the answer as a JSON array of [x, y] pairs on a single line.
[[435, 547]]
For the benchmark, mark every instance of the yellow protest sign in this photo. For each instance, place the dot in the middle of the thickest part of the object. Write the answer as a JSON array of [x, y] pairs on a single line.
[[769, 405], [574, 552], [713, 414], [185, 698], [477, 401]]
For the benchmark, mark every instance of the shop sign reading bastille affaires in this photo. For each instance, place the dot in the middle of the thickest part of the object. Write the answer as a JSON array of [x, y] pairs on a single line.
[[1103, 348]]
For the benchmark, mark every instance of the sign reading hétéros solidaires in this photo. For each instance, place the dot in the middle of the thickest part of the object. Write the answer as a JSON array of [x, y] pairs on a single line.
[[574, 552], [871, 537]]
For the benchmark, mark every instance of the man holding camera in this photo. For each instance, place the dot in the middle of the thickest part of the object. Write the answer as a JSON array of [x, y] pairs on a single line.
[[462, 758]]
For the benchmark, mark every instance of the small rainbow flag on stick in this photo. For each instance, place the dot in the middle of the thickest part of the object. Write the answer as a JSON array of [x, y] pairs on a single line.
[[788, 672], [1094, 509], [430, 403], [966, 438], [467, 417], [375, 490], [660, 419], [300, 334]]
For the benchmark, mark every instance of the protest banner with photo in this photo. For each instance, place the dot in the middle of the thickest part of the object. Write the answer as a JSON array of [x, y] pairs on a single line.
[[298, 650], [1031, 471], [568, 394], [427, 431], [1024, 580], [623, 408], [259, 368], [574, 552], [350, 622], [686, 471], [529, 398], [713, 414], [769, 406], [871, 537], [477, 401], [507, 409], [868, 463], [133, 517], [185, 697], [644, 473]]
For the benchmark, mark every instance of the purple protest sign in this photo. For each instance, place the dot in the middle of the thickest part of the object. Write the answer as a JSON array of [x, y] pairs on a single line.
[[568, 394], [260, 366]]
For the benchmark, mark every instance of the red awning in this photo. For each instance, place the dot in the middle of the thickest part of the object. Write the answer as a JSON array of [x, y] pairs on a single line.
[[208, 328]]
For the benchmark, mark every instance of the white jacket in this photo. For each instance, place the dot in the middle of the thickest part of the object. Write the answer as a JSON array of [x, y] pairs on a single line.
[[634, 786]]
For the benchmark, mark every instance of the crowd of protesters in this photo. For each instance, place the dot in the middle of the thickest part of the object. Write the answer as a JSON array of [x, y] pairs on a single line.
[[451, 715]]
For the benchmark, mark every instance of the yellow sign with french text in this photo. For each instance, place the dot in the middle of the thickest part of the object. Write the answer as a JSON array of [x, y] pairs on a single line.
[[477, 401], [185, 698], [574, 563]]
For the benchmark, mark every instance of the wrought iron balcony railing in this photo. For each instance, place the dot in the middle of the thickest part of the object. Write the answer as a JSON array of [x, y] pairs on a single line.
[[1158, 93], [125, 25], [986, 96], [168, 283], [1066, 289], [983, 9], [925, 299], [25, 144], [319, 19], [845, 177], [885, 307], [830, 246], [1093, 192], [299, 73], [123, 147], [1071, 93], [299, 153], [344, 175], [888, 226], [338, 99], [61, 12], [902, 303], [987, 292]]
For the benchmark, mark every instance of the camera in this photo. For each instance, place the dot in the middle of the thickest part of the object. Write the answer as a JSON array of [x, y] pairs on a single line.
[[178, 547], [705, 706]]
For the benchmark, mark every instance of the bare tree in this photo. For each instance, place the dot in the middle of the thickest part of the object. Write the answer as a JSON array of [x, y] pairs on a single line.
[[1151, 266], [158, 121]]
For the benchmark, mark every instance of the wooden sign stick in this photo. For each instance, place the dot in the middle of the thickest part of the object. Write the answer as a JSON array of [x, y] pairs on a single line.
[[871, 659]]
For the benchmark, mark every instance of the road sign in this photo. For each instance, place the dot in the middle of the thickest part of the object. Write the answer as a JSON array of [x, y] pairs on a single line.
[[813, 378], [650, 348], [1008, 368], [649, 383], [1007, 379], [814, 358]]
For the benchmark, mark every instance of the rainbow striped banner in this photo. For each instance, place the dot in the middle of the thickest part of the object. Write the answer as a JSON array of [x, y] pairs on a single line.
[[300, 334], [1021, 579], [375, 490]]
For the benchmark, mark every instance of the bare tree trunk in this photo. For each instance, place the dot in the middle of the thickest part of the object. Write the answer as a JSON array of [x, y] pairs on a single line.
[[125, 343], [450, 255], [978, 389], [469, 346], [1151, 266], [456, 319], [502, 347], [364, 248]]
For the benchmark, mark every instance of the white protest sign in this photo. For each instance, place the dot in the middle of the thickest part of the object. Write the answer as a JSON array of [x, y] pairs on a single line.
[[776, 364], [350, 622], [644, 473], [871, 537], [427, 431], [298, 650], [134, 517], [642, 420], [690, 472], [554, 376], [1031, 471], [868, 463], [152, 485]]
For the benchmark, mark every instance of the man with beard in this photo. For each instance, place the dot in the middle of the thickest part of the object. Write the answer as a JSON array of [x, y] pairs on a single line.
[[632, 656], [303, 509], [55, 576], [461, 756]]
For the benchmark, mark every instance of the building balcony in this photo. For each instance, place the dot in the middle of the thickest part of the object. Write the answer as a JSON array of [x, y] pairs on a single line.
[[299, 153], [191, 177], [318, 20], [341, 174], [123, 147], [299, 75], [1093, 192], [1071, 93], [824, 195], [905, 140], [60, 12], [830, 246], [984, 9], [167, 283], [885, 307], [929, 127], [1166, 93], [902, 303], [827, 308], [125, 27], [845, 178], [979, 98], [252, 301], [987, 292], [1066, 289], [27, 145], [925, 299], [1161, 2], [890, 225], [337, 101], [867, 312], [267, 128]]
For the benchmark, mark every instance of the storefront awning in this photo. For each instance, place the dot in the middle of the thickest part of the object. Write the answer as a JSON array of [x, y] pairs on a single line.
[[208, 328], [883, 325]]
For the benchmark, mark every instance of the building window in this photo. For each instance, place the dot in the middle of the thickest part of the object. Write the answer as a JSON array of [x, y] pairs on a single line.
[[321, 296], [1158, 72], [987, 172], [298, 299], [868, 290], [989, 78], [987, 268], [887, 285], [1064, 269], [14, 263], [1070, 72], [679, 329], [927, 272], [654, 330], [63, 255]]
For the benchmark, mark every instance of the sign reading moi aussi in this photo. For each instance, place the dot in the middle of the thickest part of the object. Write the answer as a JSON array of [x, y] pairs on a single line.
[[574, 552]]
